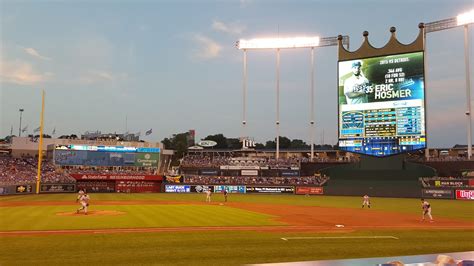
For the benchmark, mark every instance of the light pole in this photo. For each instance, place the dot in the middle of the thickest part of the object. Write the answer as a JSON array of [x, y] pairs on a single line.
[[19, 129], [285, 43], [461, 20]]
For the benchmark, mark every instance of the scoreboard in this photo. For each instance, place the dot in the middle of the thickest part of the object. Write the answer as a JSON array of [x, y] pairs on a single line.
[[381, 104]]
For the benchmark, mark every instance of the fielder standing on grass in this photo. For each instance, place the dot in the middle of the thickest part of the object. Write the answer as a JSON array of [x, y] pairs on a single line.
[[366, 201], [426, 207], [225, 195], [208, 195]]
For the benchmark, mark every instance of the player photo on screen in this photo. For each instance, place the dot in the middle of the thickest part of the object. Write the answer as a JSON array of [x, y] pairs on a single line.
[[381, 104]]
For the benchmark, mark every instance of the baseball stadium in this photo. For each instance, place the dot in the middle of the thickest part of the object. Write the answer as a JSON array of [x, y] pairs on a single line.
[[379, 196]]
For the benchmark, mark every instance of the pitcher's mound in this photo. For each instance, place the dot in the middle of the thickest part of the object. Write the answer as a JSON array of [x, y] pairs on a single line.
[[91, 213]]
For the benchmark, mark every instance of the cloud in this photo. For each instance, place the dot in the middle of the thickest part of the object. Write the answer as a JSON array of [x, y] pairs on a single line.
[[232, 28], [22, 73], [96, 76], [207, 48], [34, 53]]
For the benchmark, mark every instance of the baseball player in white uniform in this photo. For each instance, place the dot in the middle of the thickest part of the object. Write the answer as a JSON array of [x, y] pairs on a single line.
[[355, 87], [84, 200], [366, 201], [208, 195], [426, 207]]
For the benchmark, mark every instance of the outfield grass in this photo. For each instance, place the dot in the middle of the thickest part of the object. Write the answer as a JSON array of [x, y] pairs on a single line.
[[219, 248], [457, 209], [210, 247], [135, 216]]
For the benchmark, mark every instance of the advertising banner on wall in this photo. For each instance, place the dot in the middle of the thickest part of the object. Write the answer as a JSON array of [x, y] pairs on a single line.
[[178, 188], [147, 159], [24, 189], [16, 189], [209, 172], [382, 104], [270, 189], [309, 191], [465, 194], [58, 188], [249, 172], [437, 193], [230, 189], [201, 188], [449, 183], [96, 186], [116, 177], [290, 173]]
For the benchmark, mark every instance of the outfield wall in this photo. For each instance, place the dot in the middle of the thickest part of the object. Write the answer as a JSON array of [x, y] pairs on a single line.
[[243, 189]]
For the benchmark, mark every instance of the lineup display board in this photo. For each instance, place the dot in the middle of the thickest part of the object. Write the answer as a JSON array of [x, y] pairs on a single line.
[[106, 156], [382, 104]]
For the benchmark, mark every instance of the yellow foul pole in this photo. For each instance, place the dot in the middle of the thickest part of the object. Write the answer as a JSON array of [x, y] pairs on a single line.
[[40, 146]]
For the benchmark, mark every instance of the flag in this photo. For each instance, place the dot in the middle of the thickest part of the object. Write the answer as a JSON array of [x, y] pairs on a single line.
[[54, 131], [36, 129], [25, 128], [148, 132]]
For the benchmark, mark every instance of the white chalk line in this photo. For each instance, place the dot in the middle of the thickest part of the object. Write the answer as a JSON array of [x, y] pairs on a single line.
[[338, 237]]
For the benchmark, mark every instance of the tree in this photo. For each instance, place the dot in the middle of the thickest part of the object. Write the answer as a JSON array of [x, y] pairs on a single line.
[[219, 139], [178, 143], [270, 144], [285, 142], [234, 143], [299, 144], [46, 136], [259, 146]]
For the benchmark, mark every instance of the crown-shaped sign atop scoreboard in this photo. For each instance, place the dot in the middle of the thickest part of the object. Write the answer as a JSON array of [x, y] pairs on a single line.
[[393, 46]]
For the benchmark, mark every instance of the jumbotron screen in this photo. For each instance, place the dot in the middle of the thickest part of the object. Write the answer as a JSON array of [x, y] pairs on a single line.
[[106, 156], [382, 104]]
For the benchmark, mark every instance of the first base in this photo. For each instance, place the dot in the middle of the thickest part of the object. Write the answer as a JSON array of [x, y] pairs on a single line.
[[339, 225]]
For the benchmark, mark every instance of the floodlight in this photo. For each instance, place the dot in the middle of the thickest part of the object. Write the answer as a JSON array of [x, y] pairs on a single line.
[[465, 18], [279, 43]]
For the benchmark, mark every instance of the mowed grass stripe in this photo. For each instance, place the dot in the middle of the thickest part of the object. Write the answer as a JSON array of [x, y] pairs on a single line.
[[135, 216], [218, 248]]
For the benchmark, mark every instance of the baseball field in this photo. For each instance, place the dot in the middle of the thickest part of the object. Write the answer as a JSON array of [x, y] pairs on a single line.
[[182, 229]]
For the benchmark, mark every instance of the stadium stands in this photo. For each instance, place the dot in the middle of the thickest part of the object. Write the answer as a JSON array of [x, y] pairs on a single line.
[[24, 170]]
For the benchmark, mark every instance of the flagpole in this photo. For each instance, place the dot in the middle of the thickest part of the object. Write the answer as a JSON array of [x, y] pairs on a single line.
[[40, 146]]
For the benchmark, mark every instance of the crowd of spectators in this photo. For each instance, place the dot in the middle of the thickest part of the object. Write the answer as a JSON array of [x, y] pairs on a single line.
[[217, 161], [245, 180], [192, 160], [204, 161], [446, 158], [84, 170], [24, 170]]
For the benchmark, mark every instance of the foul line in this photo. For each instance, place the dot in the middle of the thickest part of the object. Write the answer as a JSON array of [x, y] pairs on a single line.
[[339, 237]]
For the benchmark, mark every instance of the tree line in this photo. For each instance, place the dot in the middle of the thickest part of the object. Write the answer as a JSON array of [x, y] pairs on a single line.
[[181, 142]]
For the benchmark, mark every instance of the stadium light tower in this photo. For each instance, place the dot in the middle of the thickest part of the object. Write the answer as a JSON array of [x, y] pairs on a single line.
[[462, 20], [19, 129], [278, 44]]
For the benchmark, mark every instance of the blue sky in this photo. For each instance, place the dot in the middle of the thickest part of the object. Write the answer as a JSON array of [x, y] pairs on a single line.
[[172, 65]]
